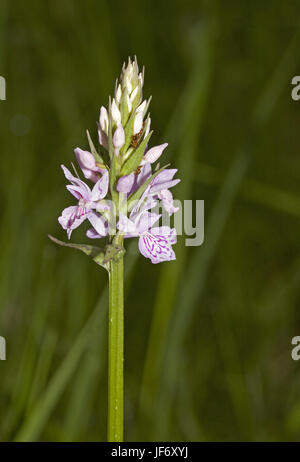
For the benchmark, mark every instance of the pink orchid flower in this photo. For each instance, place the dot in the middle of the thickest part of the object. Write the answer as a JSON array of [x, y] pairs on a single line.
[[158, 188], [88, 165], [88, 204], [154, 243]]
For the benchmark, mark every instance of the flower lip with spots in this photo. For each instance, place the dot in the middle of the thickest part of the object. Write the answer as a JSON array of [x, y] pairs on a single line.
[[155, 243]]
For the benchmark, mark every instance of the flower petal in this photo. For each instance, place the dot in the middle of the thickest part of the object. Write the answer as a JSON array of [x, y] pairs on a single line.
[[69, 219], [145, 221], [75, 191], [126, 183], [100, 189], [167, 199], [165, 231], [98, 223], [125, 225], [163, 181], [143, 176], [92, 234], [88, 165], [154, 153], [85, 158], [81, 187], [156, 247]]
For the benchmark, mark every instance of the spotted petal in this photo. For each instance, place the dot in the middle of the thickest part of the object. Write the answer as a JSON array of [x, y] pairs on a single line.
[[100, 189], [98, 223], [78, 188], [156, 247], [70, 219]]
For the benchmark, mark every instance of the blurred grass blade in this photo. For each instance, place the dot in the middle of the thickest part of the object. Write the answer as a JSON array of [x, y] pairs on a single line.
[[273, 89], [254, 191], [195, 278], [197, 272], [34, 423], [190, 121]]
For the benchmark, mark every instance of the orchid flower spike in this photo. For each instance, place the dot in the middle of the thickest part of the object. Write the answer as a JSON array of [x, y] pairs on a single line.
[[122, 167], [125, 186]]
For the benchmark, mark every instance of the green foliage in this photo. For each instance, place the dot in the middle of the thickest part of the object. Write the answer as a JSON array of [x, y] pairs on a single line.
[[207, 338], [132, 163]]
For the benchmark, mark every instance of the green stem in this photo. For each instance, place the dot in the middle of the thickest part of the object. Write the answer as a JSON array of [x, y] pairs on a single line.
[[116, 350]]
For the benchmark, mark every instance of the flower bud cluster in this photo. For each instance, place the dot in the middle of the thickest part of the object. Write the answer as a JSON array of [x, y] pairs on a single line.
[[127, 115]]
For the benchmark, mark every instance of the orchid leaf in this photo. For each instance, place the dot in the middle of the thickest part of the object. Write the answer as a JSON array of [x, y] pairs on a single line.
[[96, 253], [128, 132], [94, 151], [134, 160]]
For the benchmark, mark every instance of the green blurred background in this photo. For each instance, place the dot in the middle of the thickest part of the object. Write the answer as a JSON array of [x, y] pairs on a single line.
[[208, 337]]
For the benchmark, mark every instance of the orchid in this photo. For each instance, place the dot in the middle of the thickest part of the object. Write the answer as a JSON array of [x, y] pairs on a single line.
[[154, 243], [158, 187], [87, 162], [125, 187], [88, 202]]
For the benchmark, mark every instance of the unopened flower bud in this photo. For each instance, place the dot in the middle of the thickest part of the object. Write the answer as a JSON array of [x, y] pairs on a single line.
[[88, 165], [147, 130], [103, 138], [118, 94], [126, 183], [141, 108], [115, 113], [130, 78], [141, 79], [134, 94], [129, 104], [103, 120], [128, 85], [118, 139], [138, 123]]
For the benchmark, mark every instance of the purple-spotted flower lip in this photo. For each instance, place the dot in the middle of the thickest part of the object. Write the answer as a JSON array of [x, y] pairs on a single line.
[[88, 200], [155, 243]]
